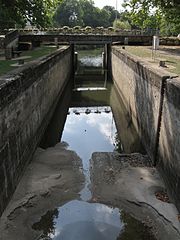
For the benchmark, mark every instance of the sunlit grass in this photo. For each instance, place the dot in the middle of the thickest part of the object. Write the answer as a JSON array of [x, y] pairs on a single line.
[[5, 65], [172, 61]]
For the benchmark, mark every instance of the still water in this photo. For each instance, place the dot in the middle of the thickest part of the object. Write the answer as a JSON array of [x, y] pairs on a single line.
[[90, 221], [90, 127], [88, 130]]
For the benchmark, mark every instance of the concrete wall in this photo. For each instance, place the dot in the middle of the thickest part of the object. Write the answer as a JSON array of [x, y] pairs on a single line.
[[128, 136], [152, 98], [169, 144], [141, 90], [28, 97], [169, 41]]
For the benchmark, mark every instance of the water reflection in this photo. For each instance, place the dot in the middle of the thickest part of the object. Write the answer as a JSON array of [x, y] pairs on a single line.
[[92, 61], [91, 221], [82, 220], [93, 127], [47, 223], [89, 130]]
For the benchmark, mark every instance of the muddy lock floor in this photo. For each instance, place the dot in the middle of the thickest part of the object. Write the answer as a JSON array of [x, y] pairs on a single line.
[[55, 178]]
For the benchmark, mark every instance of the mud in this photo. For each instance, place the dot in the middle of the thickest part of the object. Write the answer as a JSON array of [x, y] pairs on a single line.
[[54, 177], [130, 182]]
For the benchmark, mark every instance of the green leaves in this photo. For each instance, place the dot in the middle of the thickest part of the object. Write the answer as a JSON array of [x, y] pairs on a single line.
[[69, 13], [123, 25], [87, 14], [37, 12], [155, 14]]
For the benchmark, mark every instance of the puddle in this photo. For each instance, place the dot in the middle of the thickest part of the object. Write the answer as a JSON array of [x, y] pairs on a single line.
[[90, 221]]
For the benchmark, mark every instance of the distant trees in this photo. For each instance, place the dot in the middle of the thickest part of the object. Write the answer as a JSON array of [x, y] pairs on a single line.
[[113, 14], [139, 14], [69, 13], [84, 13], [121, 24]]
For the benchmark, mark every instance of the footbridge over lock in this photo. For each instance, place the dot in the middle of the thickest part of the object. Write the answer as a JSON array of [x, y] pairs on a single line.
[[125, 38], [128, 38]]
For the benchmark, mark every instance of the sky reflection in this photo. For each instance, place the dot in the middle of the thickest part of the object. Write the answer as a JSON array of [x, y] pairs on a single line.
[[82, 220], [88, 133]]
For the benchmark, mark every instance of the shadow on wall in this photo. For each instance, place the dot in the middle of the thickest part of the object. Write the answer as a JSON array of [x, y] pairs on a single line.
[[148, 99], [54, 130], [128, 135], [169, 144]]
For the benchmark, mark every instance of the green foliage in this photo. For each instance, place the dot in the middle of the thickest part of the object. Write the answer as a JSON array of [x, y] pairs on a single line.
[[5, 65], [142, 15], [161, 14], [69, 13], [168, 28], [89, 13], [86, 14], [37, 12], [121, 25], [113, 14]]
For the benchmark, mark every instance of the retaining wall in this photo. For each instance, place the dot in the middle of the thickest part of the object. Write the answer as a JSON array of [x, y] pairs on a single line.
[[140, 87], [28, 97], [152, 98], [129, 139], [169, 41], [169, 144]]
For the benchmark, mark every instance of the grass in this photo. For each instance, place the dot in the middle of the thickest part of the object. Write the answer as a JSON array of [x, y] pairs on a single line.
[[5, 65], [145, 52], [39, 52]]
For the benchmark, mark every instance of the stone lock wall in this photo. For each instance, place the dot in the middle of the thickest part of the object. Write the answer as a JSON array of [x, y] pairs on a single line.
[[169, 142], [140, 88], [28, 97], [152, 98]]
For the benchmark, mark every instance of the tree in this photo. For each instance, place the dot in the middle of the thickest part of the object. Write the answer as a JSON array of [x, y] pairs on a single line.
[[113, 14], [89, 12], [103, 18], [121, 25], [154, 13], [37, 12], [70, 13], [86, 14]]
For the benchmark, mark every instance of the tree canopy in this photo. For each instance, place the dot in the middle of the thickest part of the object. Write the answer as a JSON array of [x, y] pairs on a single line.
[[138, 14], [84, 13], [37, 12], [163, 14]]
